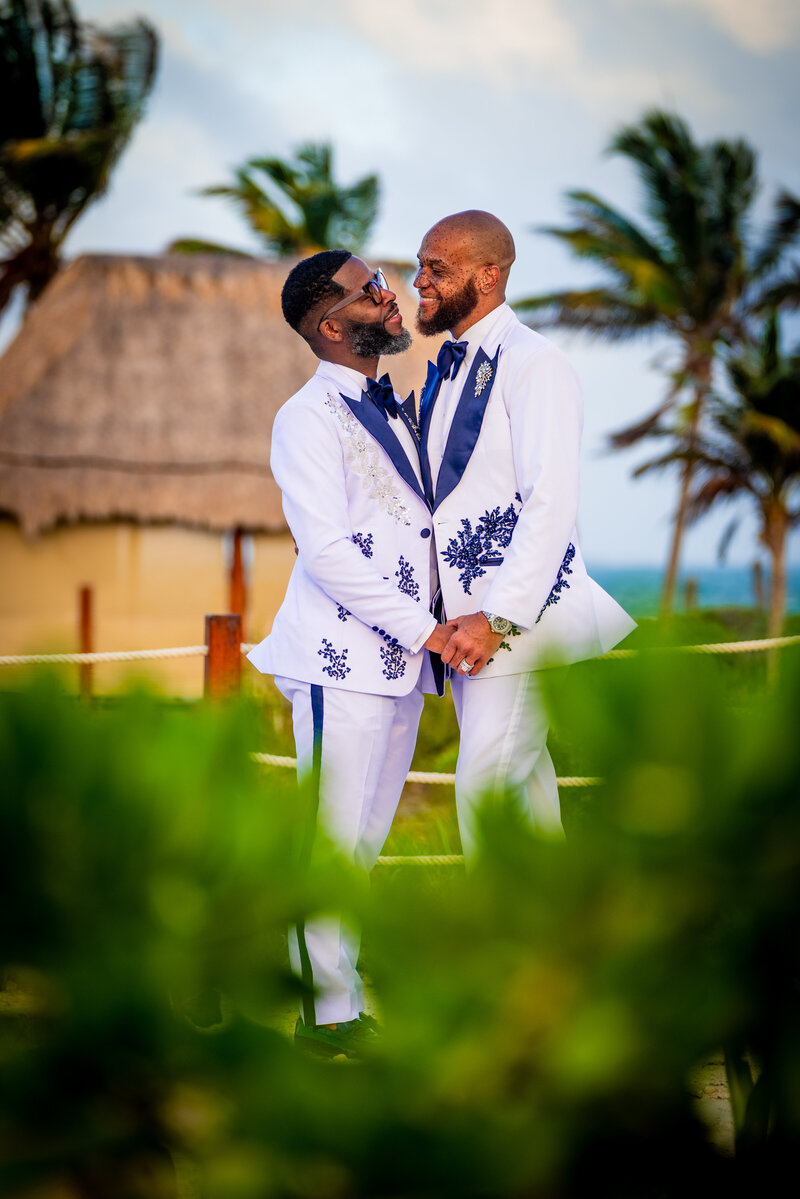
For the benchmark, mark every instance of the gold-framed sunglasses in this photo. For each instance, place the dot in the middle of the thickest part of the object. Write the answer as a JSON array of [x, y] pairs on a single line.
[[373, 288]]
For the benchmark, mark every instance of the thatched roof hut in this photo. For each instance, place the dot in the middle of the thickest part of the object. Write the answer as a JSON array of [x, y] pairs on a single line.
[[144, 389]]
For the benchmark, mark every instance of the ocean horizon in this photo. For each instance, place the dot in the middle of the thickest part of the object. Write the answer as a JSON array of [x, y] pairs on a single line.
[[638, 588]]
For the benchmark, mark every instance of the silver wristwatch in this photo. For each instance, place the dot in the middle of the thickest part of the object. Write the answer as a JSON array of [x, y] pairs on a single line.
[[498, 624]]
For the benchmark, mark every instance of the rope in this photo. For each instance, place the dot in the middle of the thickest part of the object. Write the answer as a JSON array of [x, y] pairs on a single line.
[[433, 859], [196, 651], [122, 655], [420, 776], [274, 760], [721, 647]]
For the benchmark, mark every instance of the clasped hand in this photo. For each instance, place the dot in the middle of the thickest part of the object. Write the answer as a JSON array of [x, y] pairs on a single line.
[[468, 639]]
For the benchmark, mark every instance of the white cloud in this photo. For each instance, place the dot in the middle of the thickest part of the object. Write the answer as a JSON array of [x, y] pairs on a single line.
[[762, 27], [502, 42]]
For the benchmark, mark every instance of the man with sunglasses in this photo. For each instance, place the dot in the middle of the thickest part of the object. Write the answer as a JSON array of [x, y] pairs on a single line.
[[346, 645]]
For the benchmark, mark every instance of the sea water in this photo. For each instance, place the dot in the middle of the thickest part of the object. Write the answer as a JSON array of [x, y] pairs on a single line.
[[638, 588]]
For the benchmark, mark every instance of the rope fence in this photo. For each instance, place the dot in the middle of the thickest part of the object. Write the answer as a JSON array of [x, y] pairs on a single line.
[[122, 655], [223, 651], [418, 776], [721, 647], [201, 651]]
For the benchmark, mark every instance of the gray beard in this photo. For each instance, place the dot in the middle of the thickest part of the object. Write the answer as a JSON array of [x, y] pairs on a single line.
[[370, 340]]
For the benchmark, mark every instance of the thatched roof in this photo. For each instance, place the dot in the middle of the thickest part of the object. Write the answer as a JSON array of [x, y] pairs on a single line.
[[145, 389]]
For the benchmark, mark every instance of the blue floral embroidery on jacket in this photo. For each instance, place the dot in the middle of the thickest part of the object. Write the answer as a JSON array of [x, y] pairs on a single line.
[[408, 584], [392, 655], [364, 543], [342, 612], [337, 666], [561, 583], [394, 662], [470, 552]]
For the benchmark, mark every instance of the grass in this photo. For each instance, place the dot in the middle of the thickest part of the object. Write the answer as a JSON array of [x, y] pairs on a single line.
[[426, 820]]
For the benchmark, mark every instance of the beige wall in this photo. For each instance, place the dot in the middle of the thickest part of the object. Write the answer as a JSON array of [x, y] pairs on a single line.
[[152, 589]]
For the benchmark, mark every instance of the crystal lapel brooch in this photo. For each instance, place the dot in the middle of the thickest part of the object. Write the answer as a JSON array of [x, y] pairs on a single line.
[[482, 377]]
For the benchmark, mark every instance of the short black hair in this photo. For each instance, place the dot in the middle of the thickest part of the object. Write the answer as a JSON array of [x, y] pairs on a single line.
[[311, 281]]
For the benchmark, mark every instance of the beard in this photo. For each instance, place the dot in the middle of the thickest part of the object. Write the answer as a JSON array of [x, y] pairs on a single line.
[[450, 312], [369, 339]]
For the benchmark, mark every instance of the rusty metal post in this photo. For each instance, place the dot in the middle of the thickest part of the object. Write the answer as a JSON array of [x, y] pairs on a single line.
[[86, 638], [238, 589], [223, 671]]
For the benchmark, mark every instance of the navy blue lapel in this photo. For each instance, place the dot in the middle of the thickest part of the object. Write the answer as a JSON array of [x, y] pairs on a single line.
[[466, 424], [378, 427], [408, 413], [425, 409], [425, 406], [409, 410]]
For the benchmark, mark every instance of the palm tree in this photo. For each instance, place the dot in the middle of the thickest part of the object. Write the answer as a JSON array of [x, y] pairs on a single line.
[[296, 207], [70, 95], [749, 444], [688, 272]]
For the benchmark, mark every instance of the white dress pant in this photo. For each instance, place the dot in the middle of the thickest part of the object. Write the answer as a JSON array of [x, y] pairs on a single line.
[[362, 746], [503, 750]]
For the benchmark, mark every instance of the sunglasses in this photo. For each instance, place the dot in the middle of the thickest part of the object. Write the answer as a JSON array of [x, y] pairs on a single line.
[[374, 288]]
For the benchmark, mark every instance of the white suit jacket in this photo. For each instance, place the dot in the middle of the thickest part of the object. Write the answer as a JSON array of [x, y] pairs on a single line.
[[356, 610], [502, 447]]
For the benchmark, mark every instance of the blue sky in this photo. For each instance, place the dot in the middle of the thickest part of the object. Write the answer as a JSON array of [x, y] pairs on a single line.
[[456, 104]]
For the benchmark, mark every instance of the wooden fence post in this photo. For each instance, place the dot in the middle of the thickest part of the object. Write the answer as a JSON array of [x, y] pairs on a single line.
[[86, 638], [237, 599], [223, 671]]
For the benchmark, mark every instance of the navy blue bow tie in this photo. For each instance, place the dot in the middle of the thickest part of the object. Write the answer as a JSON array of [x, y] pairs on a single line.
[[451, 355], [381, 392]]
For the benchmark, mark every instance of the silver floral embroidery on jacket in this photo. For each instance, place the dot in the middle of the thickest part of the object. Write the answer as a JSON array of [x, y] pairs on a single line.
[[362, 452]]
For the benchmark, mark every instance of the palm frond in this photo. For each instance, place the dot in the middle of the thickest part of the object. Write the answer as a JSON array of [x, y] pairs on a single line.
[[598, 311], [70, 96], [611, 227], [727, 537], [783, 294], [646, 427], [782, 435], [195, 245], [659, 463], [724, 486], [781, 235], [297, 206]]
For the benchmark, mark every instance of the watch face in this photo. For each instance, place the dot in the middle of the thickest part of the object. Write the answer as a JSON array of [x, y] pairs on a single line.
[[499, 624]]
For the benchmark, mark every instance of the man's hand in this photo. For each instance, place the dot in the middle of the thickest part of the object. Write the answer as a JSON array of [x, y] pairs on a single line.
[[472, 642], [438, 638]]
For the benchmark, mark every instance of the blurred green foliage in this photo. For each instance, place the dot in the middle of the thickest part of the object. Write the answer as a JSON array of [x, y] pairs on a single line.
[[541, 1013]]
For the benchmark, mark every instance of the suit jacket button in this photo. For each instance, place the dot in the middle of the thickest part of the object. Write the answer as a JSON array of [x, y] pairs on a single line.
[[425, 533]]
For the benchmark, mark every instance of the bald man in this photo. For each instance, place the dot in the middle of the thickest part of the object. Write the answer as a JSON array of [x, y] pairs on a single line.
[[500, 426]]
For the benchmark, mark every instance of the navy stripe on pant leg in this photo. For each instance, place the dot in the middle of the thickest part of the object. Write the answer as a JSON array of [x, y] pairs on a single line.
[[306, 973]]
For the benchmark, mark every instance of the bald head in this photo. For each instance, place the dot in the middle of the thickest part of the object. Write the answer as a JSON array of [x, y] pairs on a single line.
[[465, 261], [485, 238]]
